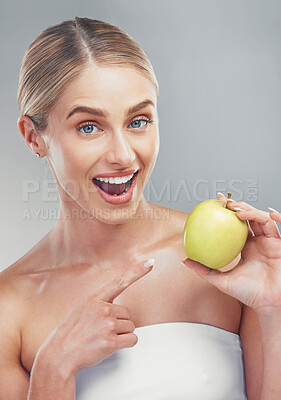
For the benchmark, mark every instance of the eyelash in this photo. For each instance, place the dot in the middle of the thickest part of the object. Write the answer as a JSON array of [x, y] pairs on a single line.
[[89, 123]]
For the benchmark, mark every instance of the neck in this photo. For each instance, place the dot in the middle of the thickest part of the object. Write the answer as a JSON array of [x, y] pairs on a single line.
[[86, 239]]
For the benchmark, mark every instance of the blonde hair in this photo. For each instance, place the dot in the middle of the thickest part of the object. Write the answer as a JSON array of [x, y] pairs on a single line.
[[62, 52]]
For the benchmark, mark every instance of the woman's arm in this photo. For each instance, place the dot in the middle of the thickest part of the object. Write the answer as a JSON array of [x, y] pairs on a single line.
[[45, 381], [250, 335], [14, 379], [49, 381], [270, 325], [261, 338]]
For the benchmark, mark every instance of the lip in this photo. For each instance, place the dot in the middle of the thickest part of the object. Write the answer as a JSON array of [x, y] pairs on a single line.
[[114, 174], [123, 198]]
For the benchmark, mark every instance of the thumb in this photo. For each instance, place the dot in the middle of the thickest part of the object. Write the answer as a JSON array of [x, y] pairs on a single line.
[[114, 288], [213, 276], [200, 269]]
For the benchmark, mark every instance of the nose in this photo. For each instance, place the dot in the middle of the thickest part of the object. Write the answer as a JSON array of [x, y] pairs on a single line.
[[120, 151]]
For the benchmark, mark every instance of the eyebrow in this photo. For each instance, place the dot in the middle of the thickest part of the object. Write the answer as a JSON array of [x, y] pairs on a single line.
[[98, 112]]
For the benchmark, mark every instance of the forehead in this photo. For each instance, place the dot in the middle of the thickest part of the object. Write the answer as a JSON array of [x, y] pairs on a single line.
[[113, 88]]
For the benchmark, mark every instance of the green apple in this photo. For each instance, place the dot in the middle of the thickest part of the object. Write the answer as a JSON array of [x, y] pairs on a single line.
[[213, 234]]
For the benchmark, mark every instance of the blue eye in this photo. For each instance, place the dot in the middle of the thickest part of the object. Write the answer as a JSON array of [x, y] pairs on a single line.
[[148, 121], [88, 128], [137, 121]]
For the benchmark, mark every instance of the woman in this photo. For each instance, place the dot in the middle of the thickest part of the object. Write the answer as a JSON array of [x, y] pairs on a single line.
[[84, 312]]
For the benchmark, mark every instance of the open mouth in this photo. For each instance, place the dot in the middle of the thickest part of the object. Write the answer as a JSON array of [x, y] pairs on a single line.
[[115, 189]]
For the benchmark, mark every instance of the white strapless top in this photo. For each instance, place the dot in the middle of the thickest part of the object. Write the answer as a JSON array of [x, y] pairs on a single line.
[[171, 361]]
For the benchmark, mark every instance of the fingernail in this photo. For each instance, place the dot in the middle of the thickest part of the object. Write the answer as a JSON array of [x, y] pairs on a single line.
[[272, 209], [149, 263], [220, 193], [238, 209], [182, 263], [231, 200]]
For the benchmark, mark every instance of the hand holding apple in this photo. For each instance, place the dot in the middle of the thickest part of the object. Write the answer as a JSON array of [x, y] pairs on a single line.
[[213, 234], [256, 279]]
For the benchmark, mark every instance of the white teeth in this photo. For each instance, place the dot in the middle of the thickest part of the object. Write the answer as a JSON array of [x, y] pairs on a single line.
[[103, 179], [116, 180]]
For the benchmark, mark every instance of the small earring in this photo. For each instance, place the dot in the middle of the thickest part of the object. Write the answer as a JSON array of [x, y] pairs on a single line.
[[37, 155]]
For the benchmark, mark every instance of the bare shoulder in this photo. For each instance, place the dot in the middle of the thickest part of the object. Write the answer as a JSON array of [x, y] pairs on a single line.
[[173, 220], [9, 291], [31, 263], [19, 281], [169, 211], [14, 378], [11, 316], [14, 287]]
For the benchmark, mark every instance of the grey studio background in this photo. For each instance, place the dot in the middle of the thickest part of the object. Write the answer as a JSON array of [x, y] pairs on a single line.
[[218, 65]]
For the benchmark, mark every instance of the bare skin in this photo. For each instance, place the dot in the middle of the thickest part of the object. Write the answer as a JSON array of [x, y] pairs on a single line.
[[168, 293], [81, 254]]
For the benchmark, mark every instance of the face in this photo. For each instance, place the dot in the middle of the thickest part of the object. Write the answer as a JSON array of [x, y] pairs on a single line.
[[85, 145]]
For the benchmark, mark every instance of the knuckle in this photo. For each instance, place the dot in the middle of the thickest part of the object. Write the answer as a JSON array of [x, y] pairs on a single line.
[[119, 282], [106, 311], [112, 324], [109, 344], [137, 269]]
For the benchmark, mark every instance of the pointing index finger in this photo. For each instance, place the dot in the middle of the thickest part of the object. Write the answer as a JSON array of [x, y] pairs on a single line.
[[115, 287]]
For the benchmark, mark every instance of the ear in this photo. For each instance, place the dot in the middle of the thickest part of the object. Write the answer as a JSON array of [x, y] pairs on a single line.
[[34, 141]]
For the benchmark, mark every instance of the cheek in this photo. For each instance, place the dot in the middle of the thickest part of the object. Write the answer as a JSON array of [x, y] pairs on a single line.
[[69, 162], [149, 148], [71, 167], [152, 148]]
